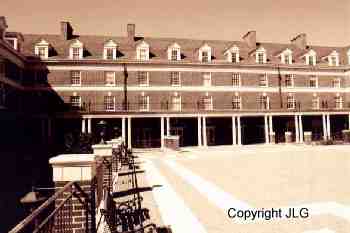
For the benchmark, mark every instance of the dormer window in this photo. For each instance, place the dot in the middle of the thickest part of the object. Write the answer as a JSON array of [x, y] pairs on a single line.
[[205, 53], [174, 52], [333, 59], [232, 54], [110, 50], [310, 58], [287, 57], [142, 51], [76, 50], [42, 49], [260, 56]]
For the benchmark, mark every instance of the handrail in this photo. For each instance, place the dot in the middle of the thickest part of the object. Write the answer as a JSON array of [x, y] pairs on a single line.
[[25, 222]]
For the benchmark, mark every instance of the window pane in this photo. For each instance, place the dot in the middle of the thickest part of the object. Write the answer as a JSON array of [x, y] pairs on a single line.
[[75, 78]]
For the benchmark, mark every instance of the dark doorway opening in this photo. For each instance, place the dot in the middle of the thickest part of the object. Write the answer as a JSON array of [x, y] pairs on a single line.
[[253, 130]]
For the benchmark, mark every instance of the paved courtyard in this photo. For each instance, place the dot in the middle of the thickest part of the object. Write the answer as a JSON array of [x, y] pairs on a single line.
[[195, 187]]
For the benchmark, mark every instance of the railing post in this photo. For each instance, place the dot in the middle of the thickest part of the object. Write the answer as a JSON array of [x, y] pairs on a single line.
[[84, 170]]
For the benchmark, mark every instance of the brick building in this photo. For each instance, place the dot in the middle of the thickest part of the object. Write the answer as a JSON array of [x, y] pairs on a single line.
[[209, 92]]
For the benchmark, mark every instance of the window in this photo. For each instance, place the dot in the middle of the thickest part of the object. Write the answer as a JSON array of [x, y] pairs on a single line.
[[286, 57], [290, 102], [313, 82], [76, 53], [175, 79], [142, 77], [176, 103], [315, 103], [144, 103], [142, 51], [174, 52], [206, 79], [207, 103], [109, 102], [233, 54], [42, 49], [110, 78], [333, 59], [75, 101], [310, 58], [263, 102], [174, 55], [338, 102], [236, 80], [76, 50], [263, 81], [260, 56], [205, 56], [336, 83], [205, 53], [289, 80], [110, 50], [236, 102], [76, 78]]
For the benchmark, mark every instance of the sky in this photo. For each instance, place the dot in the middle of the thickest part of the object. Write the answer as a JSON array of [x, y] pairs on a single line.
[[325, 22]]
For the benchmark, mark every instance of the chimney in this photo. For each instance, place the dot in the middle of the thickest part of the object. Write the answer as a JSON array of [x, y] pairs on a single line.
[[66, 31], [131, 32], [250, 39], [300, 41], [3, 27]]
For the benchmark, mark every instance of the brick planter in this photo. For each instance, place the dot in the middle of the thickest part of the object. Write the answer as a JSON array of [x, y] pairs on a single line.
[[171, 142], [346, 135]]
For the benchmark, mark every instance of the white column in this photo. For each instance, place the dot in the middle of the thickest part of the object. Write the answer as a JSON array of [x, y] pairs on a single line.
[[271, 125], [324, 127], [301, 134], [168, 126], [205, 131], [89, 125], [239, 136], [234, 135], [296, 126], [129, 132], [328, 127], [266, 129], [199, 128], [123, 129], [162, 132], [83, 125]]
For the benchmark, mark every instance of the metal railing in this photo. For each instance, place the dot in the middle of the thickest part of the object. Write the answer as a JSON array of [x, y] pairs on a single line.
[[56, 213], [198, 106]]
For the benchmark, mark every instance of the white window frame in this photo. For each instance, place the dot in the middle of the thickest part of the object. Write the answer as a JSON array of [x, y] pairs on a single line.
[[72, 76], [76, 104], [106, 75], [204, 48], [236, 102], [265, 82], [109, 106], [315, 102], [235, 77], [336, 82], [207, 81], [261, 101], [173, 78], [176, 103], [15, 42], [76, 45], [313, 78], [232, 54], [333, 59], [291, 80], [142, 51], [42, 45], [110, 44], [143, 103], [261, 51], [339, 101], [287, 54], [308, 56], [207, 102], [291, 102], [177, 48], [142, 84]]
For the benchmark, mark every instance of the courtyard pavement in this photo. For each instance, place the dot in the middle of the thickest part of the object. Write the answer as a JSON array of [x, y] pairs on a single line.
[[195, 187]]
